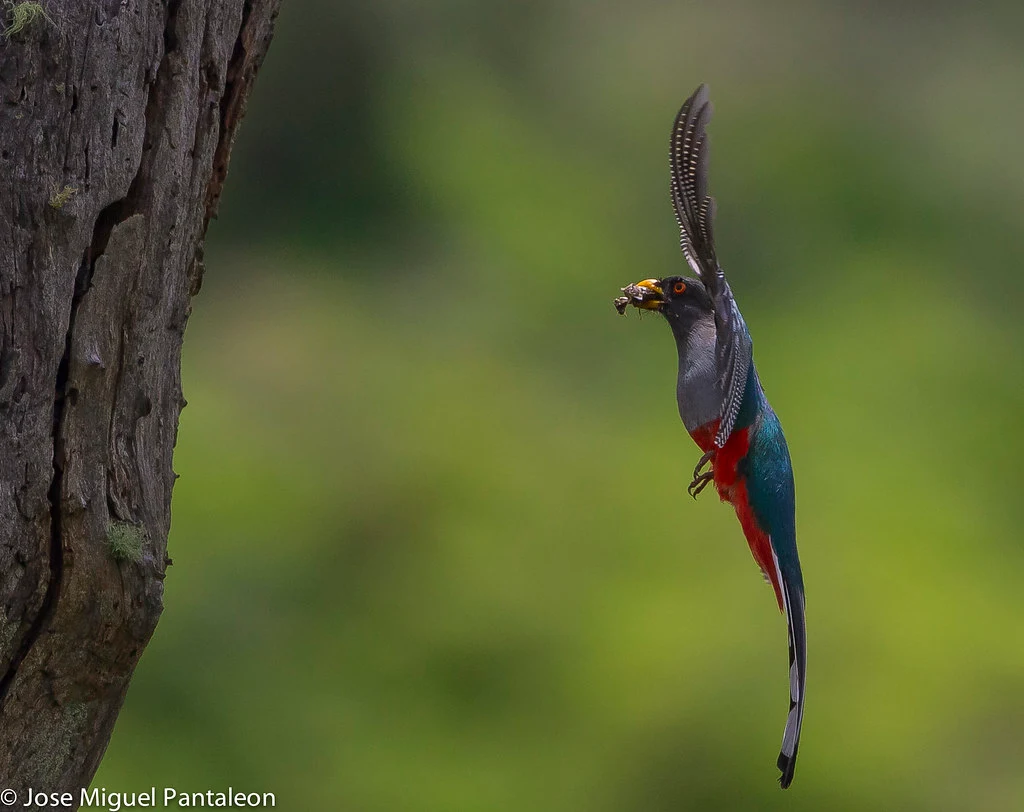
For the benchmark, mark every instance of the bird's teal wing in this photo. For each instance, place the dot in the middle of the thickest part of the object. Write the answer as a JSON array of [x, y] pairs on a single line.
[[695, 213]]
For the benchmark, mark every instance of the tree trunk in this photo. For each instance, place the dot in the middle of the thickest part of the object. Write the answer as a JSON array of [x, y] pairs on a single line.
[[116, 124]]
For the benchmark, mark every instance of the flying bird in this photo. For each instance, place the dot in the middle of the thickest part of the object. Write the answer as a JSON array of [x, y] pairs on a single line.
[[721, 401]]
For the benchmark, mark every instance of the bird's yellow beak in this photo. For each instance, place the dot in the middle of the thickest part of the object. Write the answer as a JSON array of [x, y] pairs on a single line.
[[646, 295], [652, 295]]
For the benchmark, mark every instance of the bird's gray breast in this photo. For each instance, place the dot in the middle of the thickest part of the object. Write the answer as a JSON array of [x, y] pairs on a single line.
[[697, 390]]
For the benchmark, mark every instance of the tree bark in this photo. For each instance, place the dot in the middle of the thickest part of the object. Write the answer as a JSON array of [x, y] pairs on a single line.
[[116, 124]]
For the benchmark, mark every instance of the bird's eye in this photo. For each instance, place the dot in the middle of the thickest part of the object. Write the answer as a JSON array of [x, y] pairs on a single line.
[[679, 287]]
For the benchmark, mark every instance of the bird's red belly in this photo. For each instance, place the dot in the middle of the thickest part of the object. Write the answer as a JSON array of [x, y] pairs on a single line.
[[727, 458], [732, 488]]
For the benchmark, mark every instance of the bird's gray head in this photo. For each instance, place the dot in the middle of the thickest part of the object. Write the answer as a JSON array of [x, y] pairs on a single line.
[[680, 299]]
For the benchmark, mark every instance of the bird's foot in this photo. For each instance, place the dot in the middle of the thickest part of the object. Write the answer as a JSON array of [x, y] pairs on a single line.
[[700, 483], [701, 480], [707, 459]]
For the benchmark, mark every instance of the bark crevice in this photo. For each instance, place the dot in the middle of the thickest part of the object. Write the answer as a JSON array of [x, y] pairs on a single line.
[[237, 80], [123, 208]]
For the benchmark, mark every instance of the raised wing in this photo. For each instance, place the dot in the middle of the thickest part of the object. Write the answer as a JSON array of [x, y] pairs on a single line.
[[695, 213]]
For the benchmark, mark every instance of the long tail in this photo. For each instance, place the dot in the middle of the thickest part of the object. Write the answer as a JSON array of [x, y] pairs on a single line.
[[793, 601]]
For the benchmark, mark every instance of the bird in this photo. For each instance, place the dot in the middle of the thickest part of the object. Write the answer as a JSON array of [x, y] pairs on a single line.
[[721, 401]]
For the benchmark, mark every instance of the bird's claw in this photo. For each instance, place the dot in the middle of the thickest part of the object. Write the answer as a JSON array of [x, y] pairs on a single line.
[[701, 480], [700, 483], [708, 458]]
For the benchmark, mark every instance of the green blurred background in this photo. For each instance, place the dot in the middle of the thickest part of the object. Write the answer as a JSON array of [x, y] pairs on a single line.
[[432, 544]]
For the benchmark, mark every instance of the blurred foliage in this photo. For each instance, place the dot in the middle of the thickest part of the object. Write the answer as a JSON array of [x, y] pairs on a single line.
[[432, 544]]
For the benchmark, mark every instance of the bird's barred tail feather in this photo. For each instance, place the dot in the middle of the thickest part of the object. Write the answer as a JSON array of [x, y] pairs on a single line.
[[793, 600]]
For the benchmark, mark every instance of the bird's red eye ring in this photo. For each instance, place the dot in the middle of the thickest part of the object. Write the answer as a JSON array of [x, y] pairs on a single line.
[[679, 287]]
